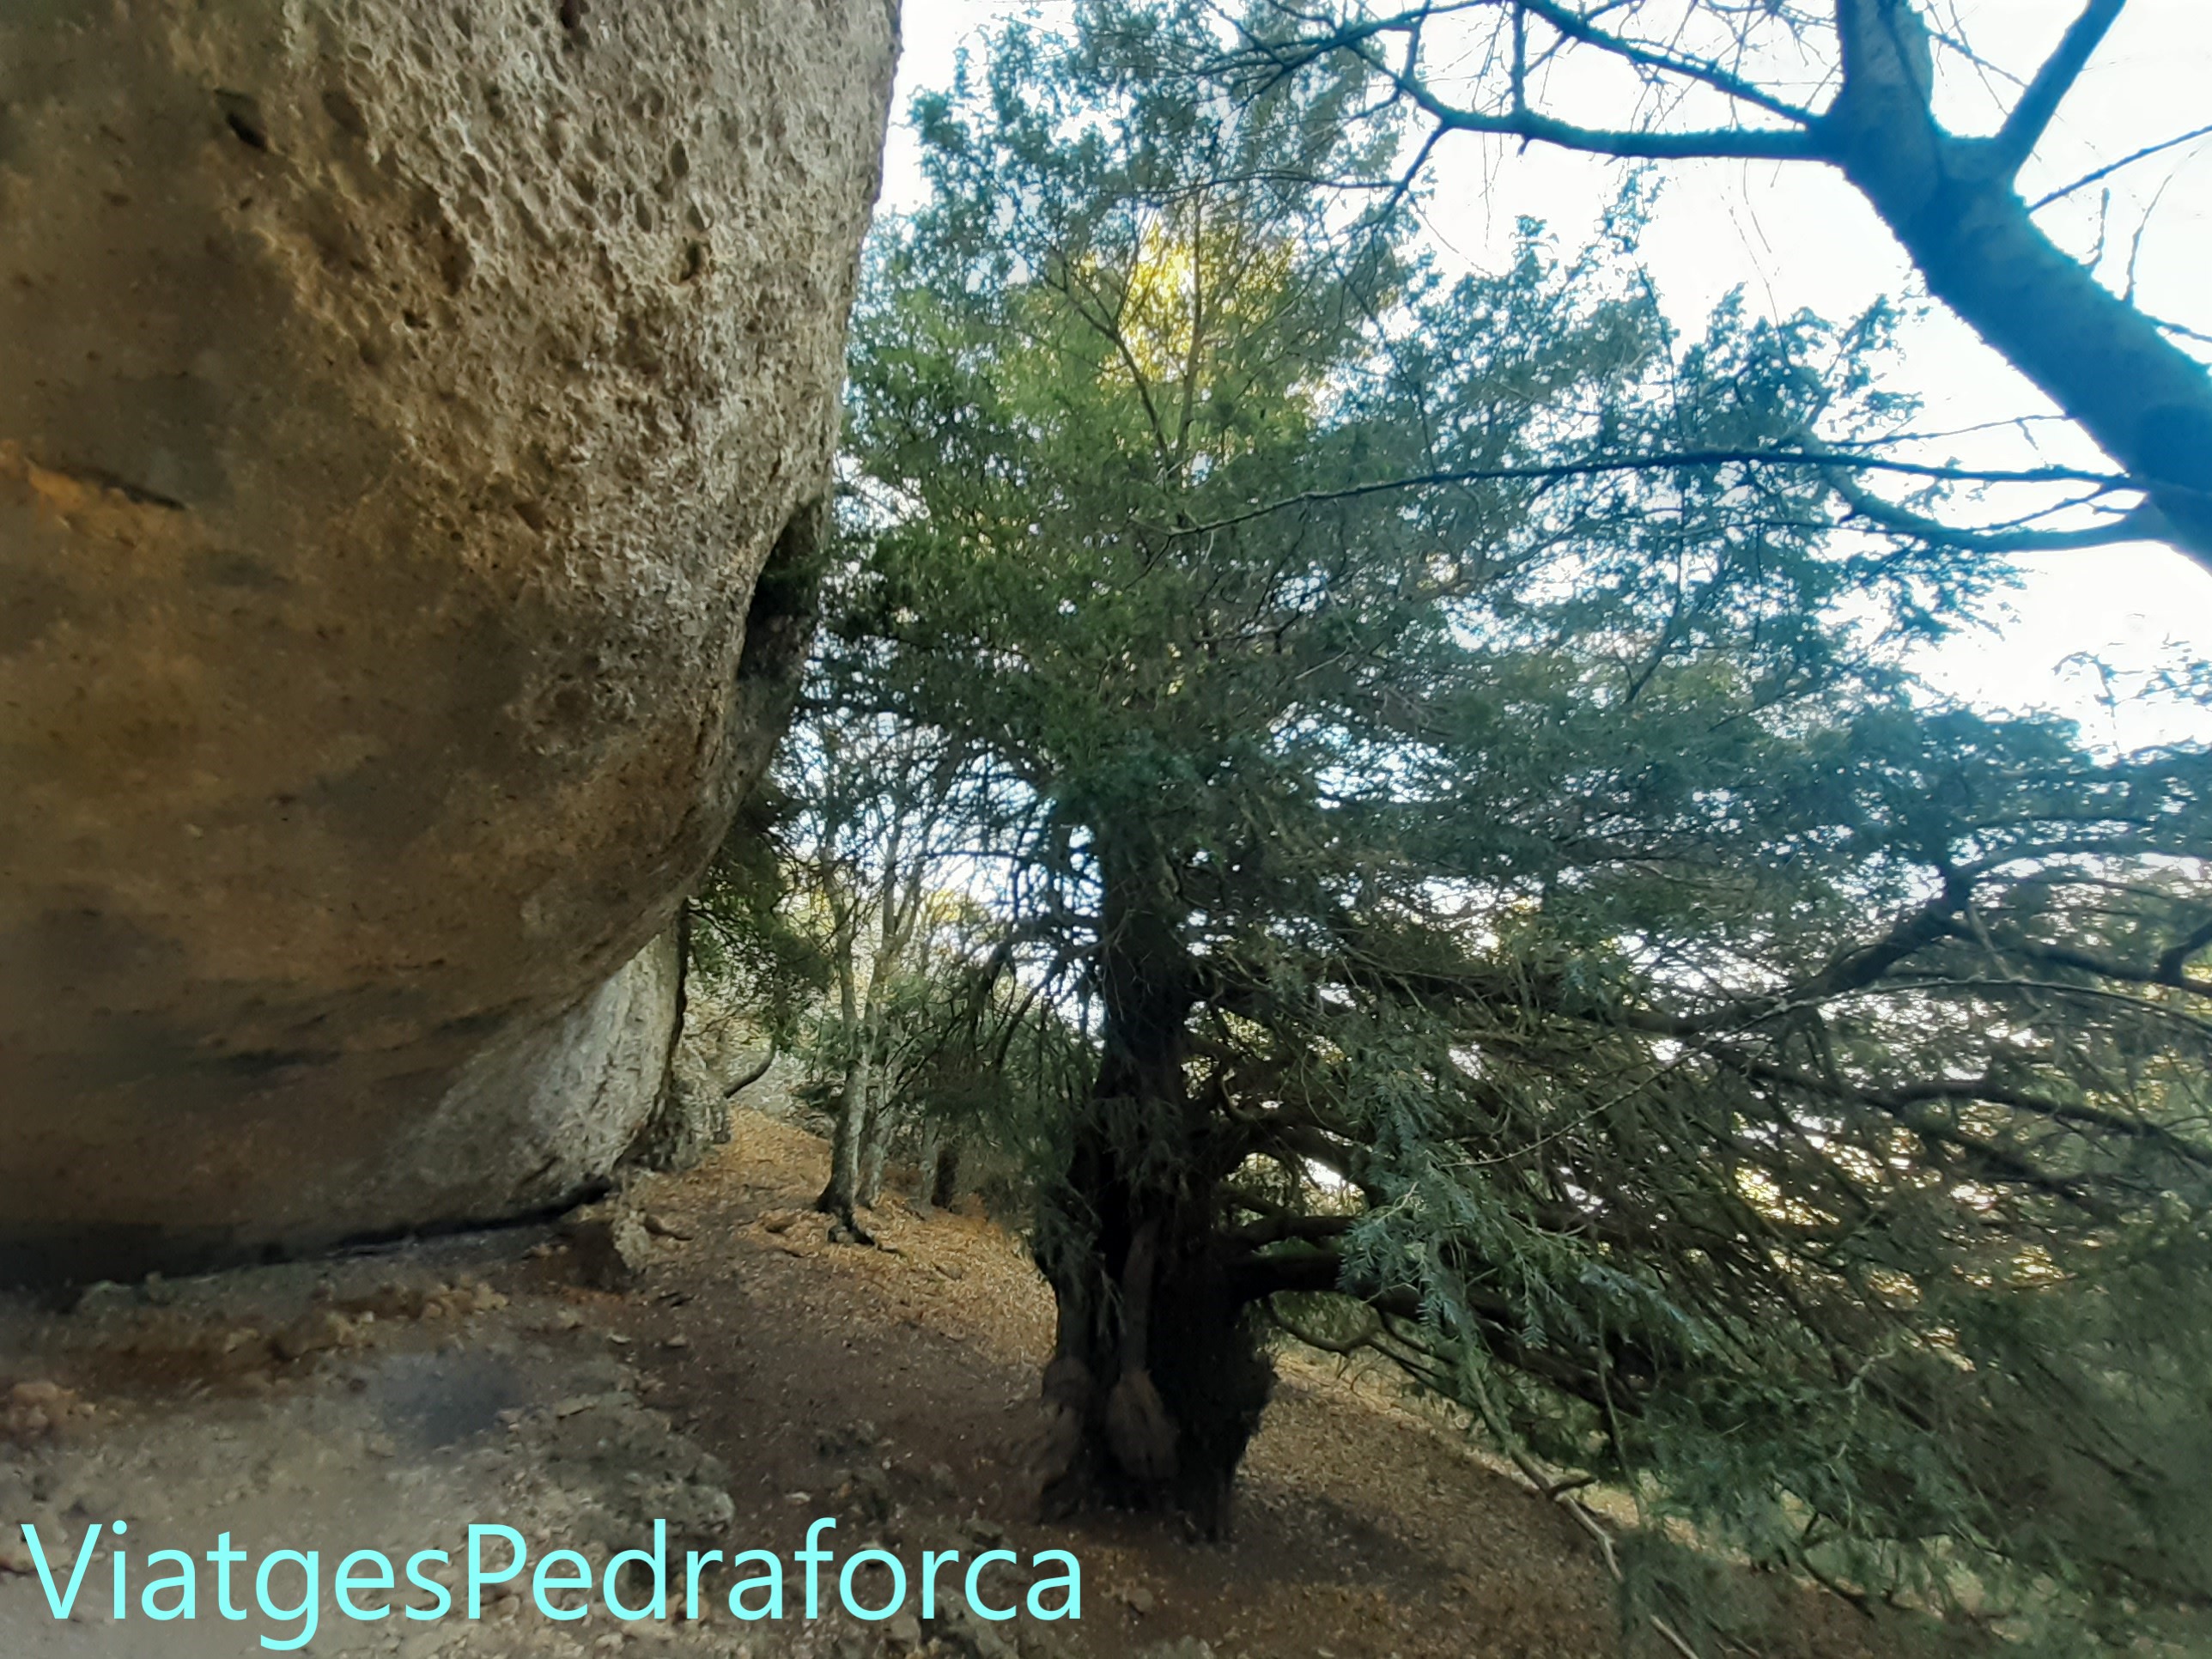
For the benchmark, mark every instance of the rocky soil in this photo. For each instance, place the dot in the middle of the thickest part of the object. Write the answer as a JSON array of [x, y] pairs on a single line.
[[699, 1351]]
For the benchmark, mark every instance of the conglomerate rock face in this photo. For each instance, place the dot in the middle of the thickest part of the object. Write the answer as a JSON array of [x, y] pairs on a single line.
[[399, 400]]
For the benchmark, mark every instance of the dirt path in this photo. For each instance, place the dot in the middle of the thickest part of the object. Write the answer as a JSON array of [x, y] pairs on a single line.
[[749, 1377], [1362, 1531]]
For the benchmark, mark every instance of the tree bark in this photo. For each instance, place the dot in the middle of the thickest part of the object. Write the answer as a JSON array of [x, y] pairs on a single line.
[[940, 1172]]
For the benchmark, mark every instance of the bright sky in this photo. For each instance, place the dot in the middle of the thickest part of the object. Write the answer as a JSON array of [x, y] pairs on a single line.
[[1796, 236]]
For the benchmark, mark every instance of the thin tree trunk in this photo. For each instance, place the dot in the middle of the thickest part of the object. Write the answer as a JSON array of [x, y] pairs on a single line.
[[837, 1196], [936, 1181], [872, 1170], [875, 1145], [844, 1190], [850, 1179], [925, 1185], [941, 1172]]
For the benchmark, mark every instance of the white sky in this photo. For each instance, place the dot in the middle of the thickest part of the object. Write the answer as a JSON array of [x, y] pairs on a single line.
[[1796, 236]]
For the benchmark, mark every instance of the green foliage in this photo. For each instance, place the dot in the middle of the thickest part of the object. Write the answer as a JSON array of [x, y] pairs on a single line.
[[963, 1054], [741, 933], [995, 1070], [1588, 960]]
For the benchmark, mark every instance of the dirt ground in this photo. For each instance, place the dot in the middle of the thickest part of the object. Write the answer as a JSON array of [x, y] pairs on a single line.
[[751, 1376]]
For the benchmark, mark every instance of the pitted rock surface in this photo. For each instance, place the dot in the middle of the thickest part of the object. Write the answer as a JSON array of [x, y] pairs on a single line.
[[398, 404]]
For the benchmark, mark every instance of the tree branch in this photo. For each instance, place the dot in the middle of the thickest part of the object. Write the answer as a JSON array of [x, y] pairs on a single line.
[[2142, 523], [1321, 1271], [1578, 27], [1995, 1162], [2031, 116], [2111, 168], [1718, 143], [2170, 965], [753, 1074], [2166, 972], [1281, 1229], [1664, 460]]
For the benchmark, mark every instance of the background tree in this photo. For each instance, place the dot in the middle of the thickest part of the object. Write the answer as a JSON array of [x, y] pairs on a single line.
[[980, 1068], [1529, 930], [868, 851], [1849, 84], [931, 1033], [741, 962]]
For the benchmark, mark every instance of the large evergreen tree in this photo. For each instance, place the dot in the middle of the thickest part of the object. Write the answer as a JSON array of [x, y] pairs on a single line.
[[1529, 929]]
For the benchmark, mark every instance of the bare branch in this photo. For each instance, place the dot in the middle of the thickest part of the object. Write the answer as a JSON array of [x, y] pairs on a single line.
[[1775, 143], [2031, 116], [1753, 144], [1718, 144], [1578, 27], [2111, 168], [752, 1074], [2144, 523], [1662, 461], [2117, 372]]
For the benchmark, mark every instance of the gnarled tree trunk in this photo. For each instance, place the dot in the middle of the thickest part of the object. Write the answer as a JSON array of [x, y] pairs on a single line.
[[1156, 1378]]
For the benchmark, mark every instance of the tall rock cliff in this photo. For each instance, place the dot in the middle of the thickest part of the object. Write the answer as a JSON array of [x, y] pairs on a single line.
[[398, 401]]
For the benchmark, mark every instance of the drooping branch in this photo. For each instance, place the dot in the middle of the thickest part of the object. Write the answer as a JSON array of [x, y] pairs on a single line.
[[1595, 1381], [1991, 1162], [1853, 968], [2167, 971]]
